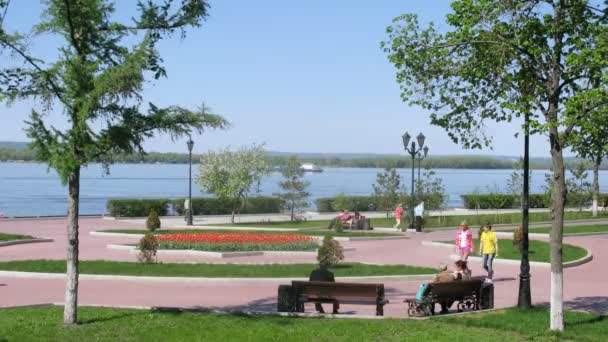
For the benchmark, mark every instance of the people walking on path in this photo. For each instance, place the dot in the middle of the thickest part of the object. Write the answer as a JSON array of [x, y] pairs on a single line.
[[398, 215], [464, 241], [488, 247]]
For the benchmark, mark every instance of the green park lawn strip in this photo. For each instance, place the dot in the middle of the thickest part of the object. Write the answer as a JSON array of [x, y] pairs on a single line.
[[431, 221], [296, 246], [109, 324], [574, 229], [538, 250], [209, 270], [300, 232], [13, 237]]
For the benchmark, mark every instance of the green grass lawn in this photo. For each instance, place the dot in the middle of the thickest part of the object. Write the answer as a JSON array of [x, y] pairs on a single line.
[[573, 229], [11, 237], [539, 250], [107, 324], [301, 232], [209, 270], [432, 221]]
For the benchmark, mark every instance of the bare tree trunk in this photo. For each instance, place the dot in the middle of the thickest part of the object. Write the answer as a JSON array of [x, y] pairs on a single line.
[[71, 289], [596, 184], [292, 207], [557, 230], [232, 217]]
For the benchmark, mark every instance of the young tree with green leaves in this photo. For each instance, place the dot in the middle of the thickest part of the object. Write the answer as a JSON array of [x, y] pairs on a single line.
[[387, 189], [231, 175], [501, 60], [579, 188], [97, 81], [590, 141], [294, 186], [430, 190], [515, 183]]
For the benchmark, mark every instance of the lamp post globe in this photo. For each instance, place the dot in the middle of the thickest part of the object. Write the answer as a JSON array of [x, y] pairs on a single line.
[[416, 154]]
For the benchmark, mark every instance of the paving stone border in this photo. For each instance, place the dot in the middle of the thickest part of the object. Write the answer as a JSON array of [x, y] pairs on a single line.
[[190, 252], [319, 238], [195, 280], [23, 242]]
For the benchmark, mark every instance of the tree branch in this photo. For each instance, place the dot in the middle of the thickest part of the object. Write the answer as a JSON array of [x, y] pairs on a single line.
[[71, 26], [56, 89]]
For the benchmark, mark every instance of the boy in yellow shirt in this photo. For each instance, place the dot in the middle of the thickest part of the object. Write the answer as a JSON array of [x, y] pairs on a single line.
[[488, 247]]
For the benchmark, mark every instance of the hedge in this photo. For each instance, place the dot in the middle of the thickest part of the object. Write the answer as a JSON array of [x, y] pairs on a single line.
[[365, 203], [136, 207], [510, 201], [216, 206], [200, 206]]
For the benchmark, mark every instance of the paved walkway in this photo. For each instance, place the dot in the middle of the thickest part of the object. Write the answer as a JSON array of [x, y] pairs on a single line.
[[584, 285]]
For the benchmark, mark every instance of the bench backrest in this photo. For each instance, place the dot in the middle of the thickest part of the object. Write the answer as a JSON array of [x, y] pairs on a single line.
[[345, 291], [454, 289]]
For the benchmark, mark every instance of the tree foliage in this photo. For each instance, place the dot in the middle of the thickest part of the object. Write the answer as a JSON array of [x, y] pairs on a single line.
[[431, 190], [500, 60], [96, 80], [231, 175], [388, 189], [294, 186]]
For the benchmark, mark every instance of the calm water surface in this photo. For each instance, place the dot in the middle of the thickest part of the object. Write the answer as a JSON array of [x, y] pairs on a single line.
[[28, 189]]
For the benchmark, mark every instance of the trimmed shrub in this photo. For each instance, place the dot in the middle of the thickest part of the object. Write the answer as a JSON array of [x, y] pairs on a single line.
[[136, 207], [518, 236], [330, 253], [488, 201], [147, 246], [217, 206], [153, 221]]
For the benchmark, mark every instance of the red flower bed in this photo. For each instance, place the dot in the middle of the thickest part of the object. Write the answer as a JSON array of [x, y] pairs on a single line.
[[257, 238]]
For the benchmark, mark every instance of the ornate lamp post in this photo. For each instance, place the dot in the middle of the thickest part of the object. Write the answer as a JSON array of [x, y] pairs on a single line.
[[524, 300], [412, 151], [190, 145]]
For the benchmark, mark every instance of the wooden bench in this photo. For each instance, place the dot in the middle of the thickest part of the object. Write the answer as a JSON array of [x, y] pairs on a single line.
[[468, 295], [344, 293]]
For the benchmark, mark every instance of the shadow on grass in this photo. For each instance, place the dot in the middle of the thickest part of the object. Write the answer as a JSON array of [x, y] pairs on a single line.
[[109, 318]]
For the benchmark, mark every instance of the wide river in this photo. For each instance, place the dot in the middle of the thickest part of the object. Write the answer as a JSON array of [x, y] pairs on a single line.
[[29, 190]]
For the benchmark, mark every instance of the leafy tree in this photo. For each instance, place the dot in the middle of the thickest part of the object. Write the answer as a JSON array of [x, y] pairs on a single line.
[[386, 189], [500, 60], [590, 142], [231, 175], [430, 190], [515, 183], [295, 194], [578, 187], [97, 80]]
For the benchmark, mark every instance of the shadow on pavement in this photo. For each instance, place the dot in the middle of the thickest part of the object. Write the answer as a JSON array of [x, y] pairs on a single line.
[[595, 304]]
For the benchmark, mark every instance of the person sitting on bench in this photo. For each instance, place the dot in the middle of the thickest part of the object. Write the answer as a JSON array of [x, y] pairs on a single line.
[[358, 221], [344, 217], [323, 274]]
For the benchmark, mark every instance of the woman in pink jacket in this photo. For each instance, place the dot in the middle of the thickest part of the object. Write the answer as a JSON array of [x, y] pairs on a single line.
[[464, 241]]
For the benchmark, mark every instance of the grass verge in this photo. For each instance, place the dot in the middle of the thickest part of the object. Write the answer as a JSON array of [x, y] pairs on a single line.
[[538, 250], [434, 221], [209, 270], [12, 237], [107, 324], [573, 229]]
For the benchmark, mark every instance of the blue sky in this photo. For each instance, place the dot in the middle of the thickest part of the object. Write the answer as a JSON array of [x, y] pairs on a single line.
[[299, 76]]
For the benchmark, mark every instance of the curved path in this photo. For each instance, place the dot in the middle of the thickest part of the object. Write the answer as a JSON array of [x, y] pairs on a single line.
[[584, 285]]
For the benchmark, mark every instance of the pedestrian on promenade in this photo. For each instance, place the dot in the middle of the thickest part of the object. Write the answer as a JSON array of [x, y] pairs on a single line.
[[488, 248], [464, 241], [398, 215]]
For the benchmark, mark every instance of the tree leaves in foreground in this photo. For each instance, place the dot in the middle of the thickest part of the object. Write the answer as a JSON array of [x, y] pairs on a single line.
[[499, 61], [96, 80]]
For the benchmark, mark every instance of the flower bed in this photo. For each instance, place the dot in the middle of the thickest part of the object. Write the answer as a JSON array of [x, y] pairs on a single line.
[[236, 242]]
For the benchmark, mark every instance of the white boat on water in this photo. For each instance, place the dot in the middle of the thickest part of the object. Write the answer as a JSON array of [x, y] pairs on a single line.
[[309, 167]]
